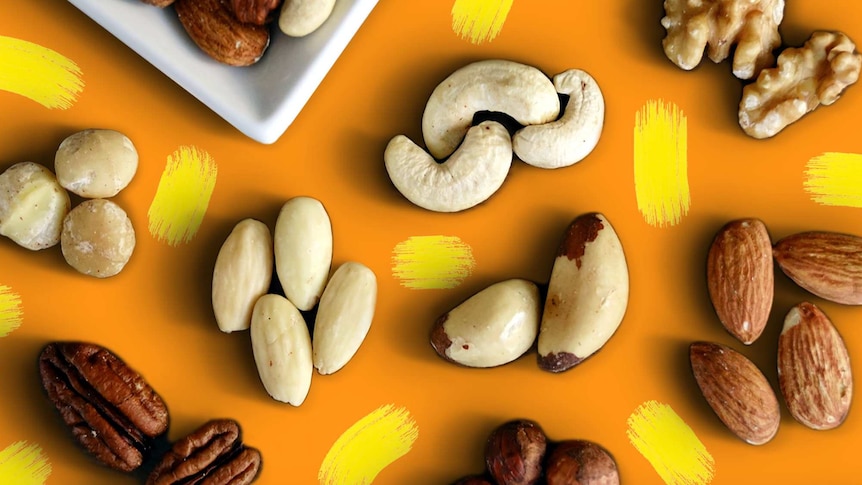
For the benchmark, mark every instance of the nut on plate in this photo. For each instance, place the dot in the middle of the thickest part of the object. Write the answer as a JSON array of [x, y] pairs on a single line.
[[242, 274], [736, 390], [827, 264], [740, 280], [299, 18], [212, 454], [215, 29], [112, 412], [258, 12], [33, 205], [750, 27], [814, 371], [580, 462], [515, 452], [806, 77], [492, 327], [587, 296]]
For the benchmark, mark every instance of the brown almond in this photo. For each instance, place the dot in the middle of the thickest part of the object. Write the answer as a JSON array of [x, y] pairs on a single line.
[[739, 275], [736, 390], [814, 368], [827, 264], [215, 29]]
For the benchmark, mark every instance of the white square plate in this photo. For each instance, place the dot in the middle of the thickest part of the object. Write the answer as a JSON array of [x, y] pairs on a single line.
[[261, 100]]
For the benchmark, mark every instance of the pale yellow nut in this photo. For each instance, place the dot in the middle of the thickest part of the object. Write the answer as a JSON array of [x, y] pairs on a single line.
[[492, 327], [242, 274], [299, 18], [303, 250], [98, 238], [32, 206], [282, 349], [96, 163], [344, 316]]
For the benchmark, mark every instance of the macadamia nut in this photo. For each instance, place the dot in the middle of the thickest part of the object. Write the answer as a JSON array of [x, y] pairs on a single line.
[[96, 163], [98, 238], [32, 206]]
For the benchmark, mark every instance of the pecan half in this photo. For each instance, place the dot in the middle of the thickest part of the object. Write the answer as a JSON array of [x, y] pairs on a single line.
[[110, 409], [211, 455]]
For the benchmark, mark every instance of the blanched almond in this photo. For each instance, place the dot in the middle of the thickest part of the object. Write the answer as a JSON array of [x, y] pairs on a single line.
[[303, 250], [242, 274], [344, 316], [282, 349]]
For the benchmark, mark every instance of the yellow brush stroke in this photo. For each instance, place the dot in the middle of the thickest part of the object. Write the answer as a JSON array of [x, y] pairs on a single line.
[[670, 445], [11, 312], [183, 195], [24, 464], [479, 20], [432, 262], [39, 73], [660, 163], [369, 446], [835, 179]]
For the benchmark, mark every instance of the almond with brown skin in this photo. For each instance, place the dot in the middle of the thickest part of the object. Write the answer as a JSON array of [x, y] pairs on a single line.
[[827, 264], [259, 12], [739, 275], [814, 368], [215, 29], [736, 390]]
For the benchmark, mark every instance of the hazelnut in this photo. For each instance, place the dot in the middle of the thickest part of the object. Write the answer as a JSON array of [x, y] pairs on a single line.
[[514, 453], [580, 462]]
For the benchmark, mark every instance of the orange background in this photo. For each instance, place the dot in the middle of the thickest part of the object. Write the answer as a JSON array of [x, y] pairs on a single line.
[[157, 315]]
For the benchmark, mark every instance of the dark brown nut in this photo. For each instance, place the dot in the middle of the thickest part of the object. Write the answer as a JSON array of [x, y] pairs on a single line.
[[213, 27], [515, 451], [580, 462], [111, 410], [258, 12], [212, 454]]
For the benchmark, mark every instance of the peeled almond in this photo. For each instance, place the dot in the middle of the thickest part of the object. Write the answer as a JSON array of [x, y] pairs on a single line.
[[303, 250]]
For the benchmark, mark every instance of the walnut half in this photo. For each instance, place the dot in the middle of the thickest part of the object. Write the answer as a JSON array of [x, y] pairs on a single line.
[[805, 77], [750, 25]]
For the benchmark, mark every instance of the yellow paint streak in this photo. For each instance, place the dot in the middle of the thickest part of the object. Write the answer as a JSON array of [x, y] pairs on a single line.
[[369, 446], [38, 73], [11, 312], [835, 179], [479, 20], [670, 445], [660, 163], [183, 195], [24, 464], [432, 262]]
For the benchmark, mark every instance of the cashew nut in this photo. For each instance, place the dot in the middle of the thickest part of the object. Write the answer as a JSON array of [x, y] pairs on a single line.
[[471, 175], [521, 91], [299, 18], [571, 138]]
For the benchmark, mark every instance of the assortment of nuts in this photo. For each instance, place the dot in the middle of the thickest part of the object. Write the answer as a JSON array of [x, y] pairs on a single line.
[[585, 303], [238, 32], [803, 79], [519, 453], [478, 156], [285, 351], [814, 370], [117, 417], [96, 237]]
